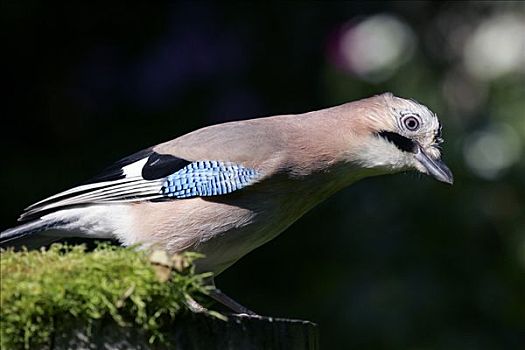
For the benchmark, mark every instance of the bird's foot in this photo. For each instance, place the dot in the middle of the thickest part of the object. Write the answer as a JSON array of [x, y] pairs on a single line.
[[231, 304]]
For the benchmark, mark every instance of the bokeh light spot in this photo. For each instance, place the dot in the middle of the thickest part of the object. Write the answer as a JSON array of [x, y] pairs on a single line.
[[491, 151], [496, 47], [374, 48]]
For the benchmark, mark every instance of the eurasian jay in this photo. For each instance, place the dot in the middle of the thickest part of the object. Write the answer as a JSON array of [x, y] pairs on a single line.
[[226, 189]]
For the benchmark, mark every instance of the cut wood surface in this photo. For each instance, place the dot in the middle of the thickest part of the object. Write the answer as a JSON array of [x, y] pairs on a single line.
[[197, 332]]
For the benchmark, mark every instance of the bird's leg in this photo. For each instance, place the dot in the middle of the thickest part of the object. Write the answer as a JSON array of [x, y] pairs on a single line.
[[230, 303]]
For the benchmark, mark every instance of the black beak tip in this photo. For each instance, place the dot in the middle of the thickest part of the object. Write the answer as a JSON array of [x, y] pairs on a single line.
[[450, 179], [442, 174]]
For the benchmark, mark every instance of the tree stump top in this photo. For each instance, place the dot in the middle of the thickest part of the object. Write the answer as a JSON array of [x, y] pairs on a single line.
[[197, 332]]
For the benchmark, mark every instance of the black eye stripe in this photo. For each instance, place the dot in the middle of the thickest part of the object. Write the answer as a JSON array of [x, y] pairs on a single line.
[[403, 143]]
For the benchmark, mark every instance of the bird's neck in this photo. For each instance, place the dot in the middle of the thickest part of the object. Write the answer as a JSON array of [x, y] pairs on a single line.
[[325, 146]]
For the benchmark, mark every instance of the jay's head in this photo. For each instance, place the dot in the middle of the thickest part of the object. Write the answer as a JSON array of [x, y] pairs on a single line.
[[402, 135]]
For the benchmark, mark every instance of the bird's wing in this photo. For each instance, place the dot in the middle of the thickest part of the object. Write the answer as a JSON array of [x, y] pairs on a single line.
[[148, 175]]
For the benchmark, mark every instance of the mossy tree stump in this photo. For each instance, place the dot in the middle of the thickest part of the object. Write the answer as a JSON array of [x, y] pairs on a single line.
[[121, 298]]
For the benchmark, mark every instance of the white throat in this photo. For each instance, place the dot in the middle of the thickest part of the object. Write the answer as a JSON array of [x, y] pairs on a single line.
[[378, 153]]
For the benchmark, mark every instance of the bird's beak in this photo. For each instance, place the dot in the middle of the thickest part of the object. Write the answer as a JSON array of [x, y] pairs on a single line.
[[435, 167]]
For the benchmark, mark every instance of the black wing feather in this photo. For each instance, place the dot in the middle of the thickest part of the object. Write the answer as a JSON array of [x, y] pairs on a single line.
[[162, 165], [115, 172]]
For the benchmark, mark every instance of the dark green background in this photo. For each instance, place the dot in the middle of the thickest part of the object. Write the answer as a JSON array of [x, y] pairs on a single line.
[[397, 262]]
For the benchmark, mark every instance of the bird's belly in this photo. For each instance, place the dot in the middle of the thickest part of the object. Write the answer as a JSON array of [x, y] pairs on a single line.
[[223, 231], [226, 247]]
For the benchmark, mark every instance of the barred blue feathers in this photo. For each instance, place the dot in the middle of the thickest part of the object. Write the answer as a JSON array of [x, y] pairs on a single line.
[[208, 178]]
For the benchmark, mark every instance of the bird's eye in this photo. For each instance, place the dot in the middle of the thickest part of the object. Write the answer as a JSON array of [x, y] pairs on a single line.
[[411, 122]]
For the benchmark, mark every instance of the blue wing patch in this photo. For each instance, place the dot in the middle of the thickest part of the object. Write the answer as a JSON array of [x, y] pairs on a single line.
[[208, 178]]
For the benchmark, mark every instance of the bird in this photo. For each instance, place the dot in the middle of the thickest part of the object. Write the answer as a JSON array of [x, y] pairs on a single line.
[[226, 189]]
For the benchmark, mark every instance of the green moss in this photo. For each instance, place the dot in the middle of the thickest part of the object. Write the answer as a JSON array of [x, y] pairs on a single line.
[[66, 285]]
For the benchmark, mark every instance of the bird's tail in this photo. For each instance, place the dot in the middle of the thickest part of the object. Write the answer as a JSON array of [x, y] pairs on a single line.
[[31, 234]]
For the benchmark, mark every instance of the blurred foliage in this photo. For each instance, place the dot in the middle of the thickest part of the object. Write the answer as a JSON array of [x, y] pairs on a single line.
[[47, 291], [398, 262]]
